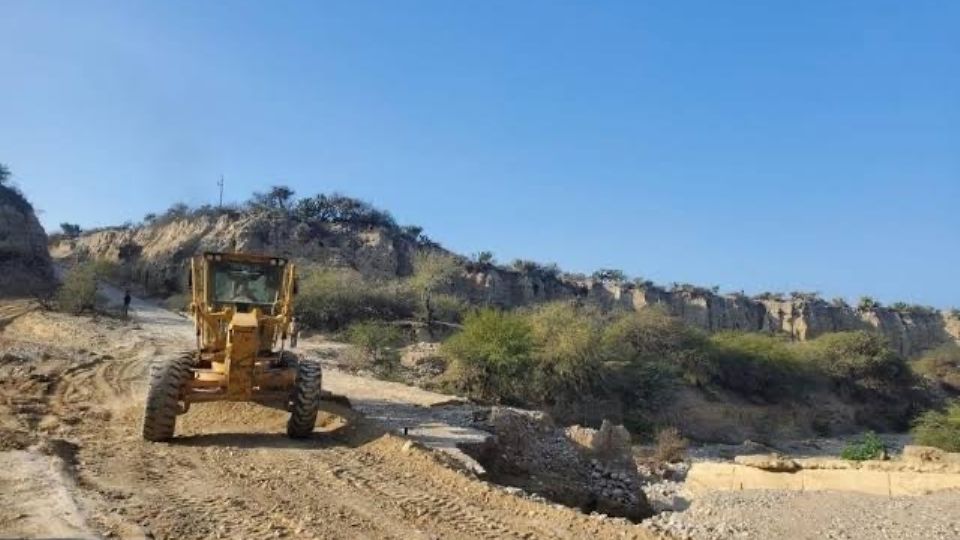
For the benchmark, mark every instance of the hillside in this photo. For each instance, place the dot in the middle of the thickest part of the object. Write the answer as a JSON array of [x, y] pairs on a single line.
[[339, 232], [25, 267]]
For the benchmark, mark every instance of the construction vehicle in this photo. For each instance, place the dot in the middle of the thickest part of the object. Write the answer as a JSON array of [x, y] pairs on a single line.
[[242, 308]]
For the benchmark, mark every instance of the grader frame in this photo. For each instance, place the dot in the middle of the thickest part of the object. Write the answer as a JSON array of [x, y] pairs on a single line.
[[242, 308]]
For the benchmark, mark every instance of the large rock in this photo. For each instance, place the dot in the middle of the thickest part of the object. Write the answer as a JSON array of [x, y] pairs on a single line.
[[25, 267]]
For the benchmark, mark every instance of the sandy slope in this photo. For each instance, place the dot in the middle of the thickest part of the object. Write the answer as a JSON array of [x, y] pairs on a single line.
[[74, 465]]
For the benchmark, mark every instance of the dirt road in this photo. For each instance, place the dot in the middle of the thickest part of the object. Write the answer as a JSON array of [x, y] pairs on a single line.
[[73, 464]]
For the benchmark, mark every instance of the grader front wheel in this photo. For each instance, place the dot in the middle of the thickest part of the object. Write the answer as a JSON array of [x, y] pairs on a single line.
[[160, 413], [305, 400]]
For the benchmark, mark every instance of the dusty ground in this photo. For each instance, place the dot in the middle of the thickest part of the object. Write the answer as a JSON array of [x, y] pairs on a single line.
[[73, 464]]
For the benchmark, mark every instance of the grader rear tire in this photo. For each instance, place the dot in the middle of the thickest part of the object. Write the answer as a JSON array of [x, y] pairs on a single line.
[[160, 413], [305, 399]]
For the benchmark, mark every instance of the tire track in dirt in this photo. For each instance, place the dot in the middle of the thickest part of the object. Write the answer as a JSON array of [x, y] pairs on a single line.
[[232, 473]]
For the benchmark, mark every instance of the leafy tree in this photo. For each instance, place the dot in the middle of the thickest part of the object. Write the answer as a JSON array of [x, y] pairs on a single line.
[[177, 211], [5, 174], [867, 304], [484, 258], [413, 231], [281, 195], [70, 230], [277, 198], [610, 274], [433, 272]]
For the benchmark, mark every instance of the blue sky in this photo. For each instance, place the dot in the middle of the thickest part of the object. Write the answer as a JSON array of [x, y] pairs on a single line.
[[752, 145]]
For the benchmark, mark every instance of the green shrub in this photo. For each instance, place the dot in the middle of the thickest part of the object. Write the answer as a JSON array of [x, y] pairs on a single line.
[[492, 356], [652, 334], [568, 350], [857, 360], [941, 364], [757, 365], [939, 429], [332, 299], [444, 308], [376, 344], [867, 447], [645, 354], [78, 292]]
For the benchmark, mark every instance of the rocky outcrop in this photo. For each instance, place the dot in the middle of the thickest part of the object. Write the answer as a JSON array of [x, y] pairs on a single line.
[[25, 267], [158, 253]]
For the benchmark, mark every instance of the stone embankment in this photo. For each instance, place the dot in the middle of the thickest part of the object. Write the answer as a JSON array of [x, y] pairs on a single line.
[[919, 470]]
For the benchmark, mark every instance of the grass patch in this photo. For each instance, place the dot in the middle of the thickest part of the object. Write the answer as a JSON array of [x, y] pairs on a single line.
[[869, 446], [940, 429]]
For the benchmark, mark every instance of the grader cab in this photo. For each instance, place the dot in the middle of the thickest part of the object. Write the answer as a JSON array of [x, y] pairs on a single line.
[[242, 308]]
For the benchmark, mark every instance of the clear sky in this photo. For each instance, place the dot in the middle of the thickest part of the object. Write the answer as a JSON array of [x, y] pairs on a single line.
[[753, 145]]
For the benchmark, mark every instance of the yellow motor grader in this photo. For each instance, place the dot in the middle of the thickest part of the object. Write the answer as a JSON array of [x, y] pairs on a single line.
[[242, 308]]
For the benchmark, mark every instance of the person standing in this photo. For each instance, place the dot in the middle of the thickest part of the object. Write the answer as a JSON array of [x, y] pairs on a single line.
[[126, 303]]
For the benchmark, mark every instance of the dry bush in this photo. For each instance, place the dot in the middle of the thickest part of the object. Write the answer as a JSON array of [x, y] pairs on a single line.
[[671, 446]]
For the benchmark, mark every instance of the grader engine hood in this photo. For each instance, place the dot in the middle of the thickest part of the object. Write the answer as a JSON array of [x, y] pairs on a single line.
[[243, 343]]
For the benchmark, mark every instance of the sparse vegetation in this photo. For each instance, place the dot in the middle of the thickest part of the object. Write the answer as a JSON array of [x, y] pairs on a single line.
[[610, 274], [940, 429], [434, 273], [78, 292], [758, 366], [332, 299], [839, 302], [376, 345], [869, 446], [867, 303], [70, 230], [856, 360], [671, 446], [9, 194], [941, 364]]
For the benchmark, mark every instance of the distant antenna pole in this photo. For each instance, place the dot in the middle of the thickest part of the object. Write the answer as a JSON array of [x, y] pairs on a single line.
[[220, 184]]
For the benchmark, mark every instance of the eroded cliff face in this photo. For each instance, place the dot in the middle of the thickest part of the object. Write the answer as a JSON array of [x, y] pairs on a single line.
[[159, 254], [25, 267]]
